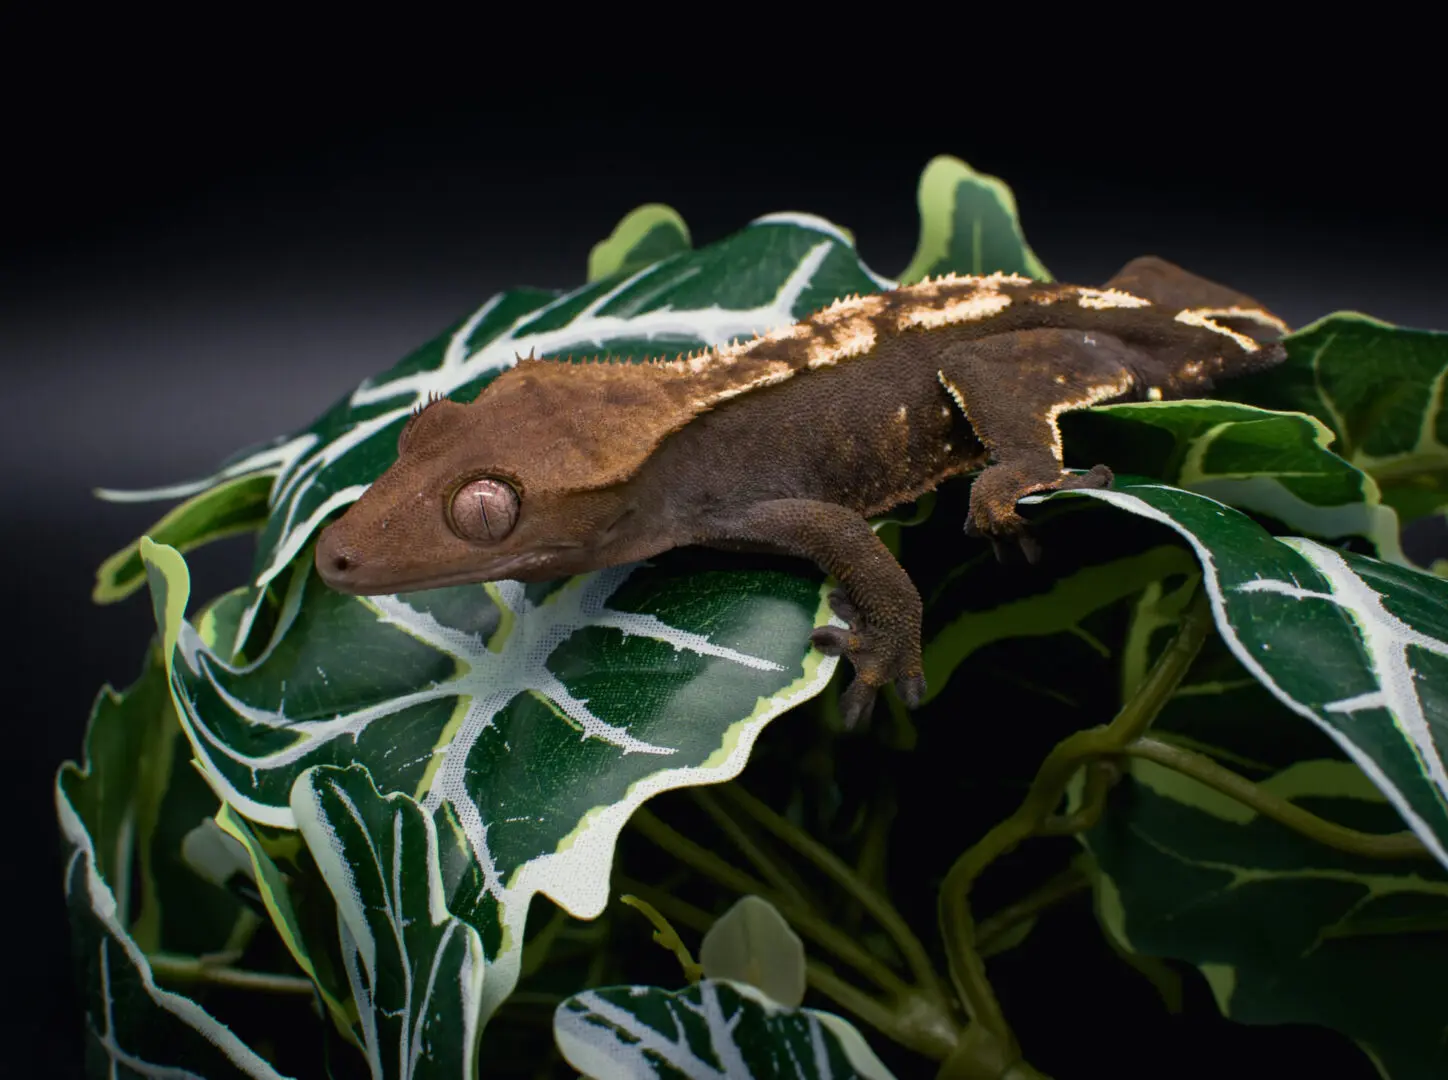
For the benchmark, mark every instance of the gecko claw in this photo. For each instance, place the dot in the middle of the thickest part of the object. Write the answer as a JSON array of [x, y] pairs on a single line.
[[856, 704], [911, 689], [1030, 548]]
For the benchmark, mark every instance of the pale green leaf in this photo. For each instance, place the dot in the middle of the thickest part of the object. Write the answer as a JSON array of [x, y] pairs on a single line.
[[968, 225], [751, 943], [646, 235]]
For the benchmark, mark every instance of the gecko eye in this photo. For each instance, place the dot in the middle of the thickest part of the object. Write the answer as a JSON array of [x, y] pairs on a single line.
[[485, 510]]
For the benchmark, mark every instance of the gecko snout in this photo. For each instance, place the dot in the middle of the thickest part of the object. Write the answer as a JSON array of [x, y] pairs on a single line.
[[337, 561]]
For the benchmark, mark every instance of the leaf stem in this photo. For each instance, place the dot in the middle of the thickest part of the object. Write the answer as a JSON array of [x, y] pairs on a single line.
[[932, 1039], [912, 1023], [1101, 777], [667, 936], [1063, 886], [1402, 845], [967, 970], [802, 919], [870, 861], [760, 859], [880, 909], [191, 969]]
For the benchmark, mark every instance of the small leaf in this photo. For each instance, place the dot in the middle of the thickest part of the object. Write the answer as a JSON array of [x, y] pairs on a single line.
[[233, 506], [645, 235], [968, 225], [751, 943], [714, 1030]]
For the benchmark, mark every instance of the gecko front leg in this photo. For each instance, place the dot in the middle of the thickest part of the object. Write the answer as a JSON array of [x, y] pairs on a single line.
[[1012, 388], [876, 597]]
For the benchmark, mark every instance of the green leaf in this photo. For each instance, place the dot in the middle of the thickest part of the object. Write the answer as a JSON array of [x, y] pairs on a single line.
[[969, 225], [646, 235], [1357, 646], [308, 935], [1285, 930], [415, 969], [528, 723], [1380, 389], [133, 1026], [751, 943], [1270, 463], [714, 1030], [235, 505]]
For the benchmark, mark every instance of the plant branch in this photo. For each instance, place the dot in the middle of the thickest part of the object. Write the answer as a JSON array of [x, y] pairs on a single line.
[[190, 969], [1101, 777], [1402, 845], [802, 919], [870, 861], [1063, 886], [913, 1023], [967, 970], [880, 909], [760, 859]]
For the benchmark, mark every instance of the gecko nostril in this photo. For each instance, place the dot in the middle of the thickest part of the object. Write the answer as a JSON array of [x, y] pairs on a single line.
[[341, 563]]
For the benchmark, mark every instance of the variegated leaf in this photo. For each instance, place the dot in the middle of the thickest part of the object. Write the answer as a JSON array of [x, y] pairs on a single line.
[[968, 224], [1381, 390], [529, 723], [133, 1026], [415, 970], [714, 1030], [1357, 646], [646, 235], [1275, 464], [1284, 929]]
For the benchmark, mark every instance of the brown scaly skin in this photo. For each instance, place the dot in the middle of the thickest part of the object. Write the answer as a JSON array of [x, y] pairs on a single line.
[[791, 441]]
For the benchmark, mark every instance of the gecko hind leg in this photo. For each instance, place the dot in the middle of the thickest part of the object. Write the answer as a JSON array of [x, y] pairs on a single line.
[[876, 598]]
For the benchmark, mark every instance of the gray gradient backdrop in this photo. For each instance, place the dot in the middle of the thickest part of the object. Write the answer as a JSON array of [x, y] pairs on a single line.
[[185, 271]]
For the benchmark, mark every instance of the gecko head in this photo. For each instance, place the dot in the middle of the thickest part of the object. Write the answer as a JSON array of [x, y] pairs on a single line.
[[485, 491]]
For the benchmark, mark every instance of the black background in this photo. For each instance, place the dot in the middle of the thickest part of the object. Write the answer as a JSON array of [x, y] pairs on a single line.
[[198, 256]]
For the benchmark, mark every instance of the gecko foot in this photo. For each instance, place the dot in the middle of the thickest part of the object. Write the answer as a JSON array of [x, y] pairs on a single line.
[[876, 661], [997, 490]]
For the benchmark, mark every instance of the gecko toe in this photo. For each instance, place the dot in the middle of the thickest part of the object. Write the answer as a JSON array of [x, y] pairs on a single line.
[[1098, 476], [833, 640]]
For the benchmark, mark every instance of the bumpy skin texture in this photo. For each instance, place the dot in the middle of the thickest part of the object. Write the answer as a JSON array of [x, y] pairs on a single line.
[[790, 442]]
